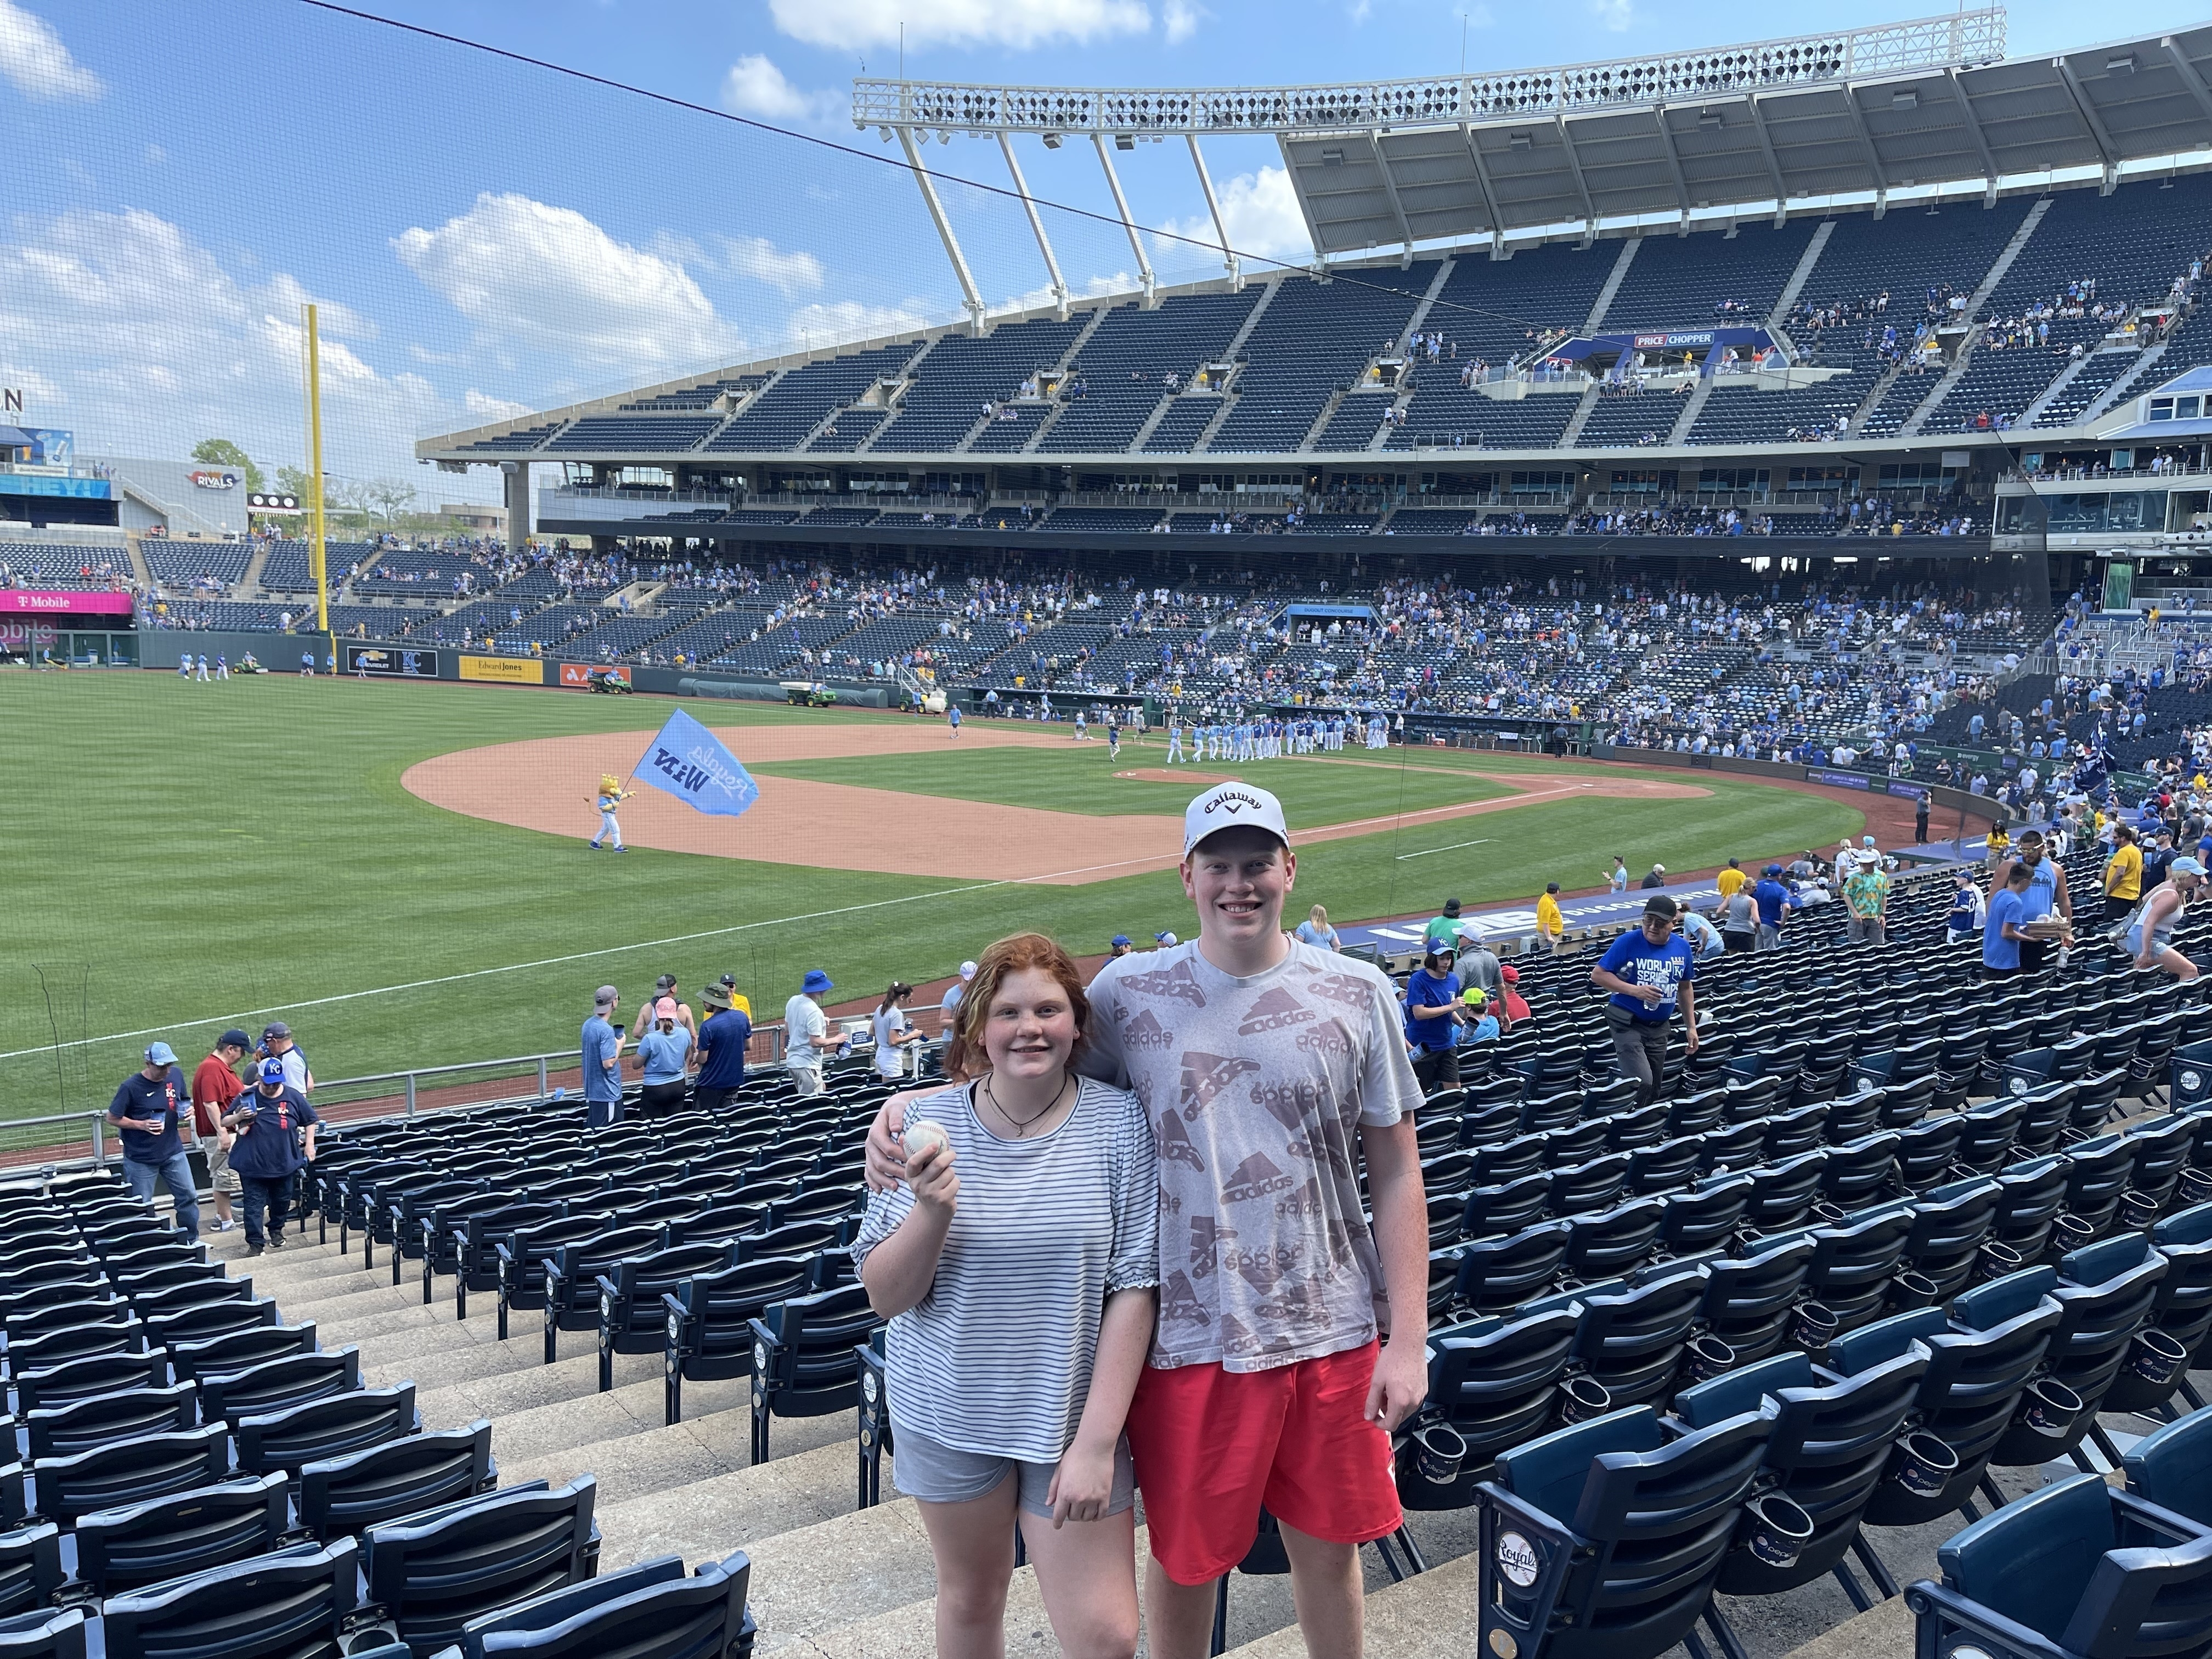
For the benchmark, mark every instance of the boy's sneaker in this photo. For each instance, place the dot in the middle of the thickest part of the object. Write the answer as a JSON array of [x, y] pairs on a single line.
[[253, 1249], [275, 1241]]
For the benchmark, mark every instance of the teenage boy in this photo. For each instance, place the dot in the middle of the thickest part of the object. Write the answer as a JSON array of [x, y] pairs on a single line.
[[269, 1122], [1269, 1068], [1649, 973], [214, 1085], [1432, 1018]]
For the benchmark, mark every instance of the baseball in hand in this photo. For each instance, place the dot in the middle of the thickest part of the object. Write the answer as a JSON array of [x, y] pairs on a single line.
[[922, 1132]]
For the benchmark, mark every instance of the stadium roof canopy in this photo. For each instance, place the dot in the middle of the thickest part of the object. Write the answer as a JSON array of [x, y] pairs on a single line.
[[1736, 130]]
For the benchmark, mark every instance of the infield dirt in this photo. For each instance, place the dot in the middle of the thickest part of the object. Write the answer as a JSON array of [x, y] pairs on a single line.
[[546, 783]]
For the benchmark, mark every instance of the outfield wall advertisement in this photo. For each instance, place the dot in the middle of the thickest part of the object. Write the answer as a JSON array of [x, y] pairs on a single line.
[[63, 602], [504, 670]]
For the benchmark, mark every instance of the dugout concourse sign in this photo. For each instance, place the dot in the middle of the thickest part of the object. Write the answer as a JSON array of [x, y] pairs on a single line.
[[504, 670]]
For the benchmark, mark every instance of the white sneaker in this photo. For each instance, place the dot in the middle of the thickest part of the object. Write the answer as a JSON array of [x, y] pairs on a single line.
[[224, 1226]]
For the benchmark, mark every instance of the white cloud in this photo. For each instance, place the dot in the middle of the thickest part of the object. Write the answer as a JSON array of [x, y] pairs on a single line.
[[1020, 24], [764, 261], [1261, 212], [150, 344], [1091, 288], [756, 87], [484, 408], [1181, 18], [828, 323], [33, 56], [550, 280], [1613, 15]]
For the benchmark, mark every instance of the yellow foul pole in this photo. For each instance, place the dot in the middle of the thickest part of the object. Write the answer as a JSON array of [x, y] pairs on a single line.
[[315, 565]]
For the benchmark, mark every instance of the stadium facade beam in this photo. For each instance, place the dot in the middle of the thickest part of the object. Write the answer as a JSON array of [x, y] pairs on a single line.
[[1701, 74], [1390, 192], [1974, 130], [2095, 123], [1877, 170], [1037, 224], [1213, 206], [1674, 163], [1773, 161], [972, 299], [2190, 77], [1489, 195], [1582, 186], [1121, 206]]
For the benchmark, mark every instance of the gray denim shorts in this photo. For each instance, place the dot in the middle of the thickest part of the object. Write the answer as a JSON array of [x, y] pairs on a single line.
[[937, 1473]]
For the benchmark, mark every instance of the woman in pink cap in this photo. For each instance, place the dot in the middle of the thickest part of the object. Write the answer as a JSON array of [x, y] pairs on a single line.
[[664, 1054]]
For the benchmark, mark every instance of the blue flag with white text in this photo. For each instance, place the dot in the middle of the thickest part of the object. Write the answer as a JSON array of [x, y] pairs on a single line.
[[687, 761]]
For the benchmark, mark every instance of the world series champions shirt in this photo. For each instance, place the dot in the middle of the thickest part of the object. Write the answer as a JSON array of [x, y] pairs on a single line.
[[1255, 1090]]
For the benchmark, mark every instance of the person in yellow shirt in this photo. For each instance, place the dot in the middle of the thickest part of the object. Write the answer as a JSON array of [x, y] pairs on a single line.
[[1999, 845], [2122, 875], [1551, 923], [1730, 880]]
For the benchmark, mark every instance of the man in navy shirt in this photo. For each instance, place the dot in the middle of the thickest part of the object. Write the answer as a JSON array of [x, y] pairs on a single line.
[[722, 1041], [1432, 1006], [146, 1108], [1649, 973], [269, 1121]]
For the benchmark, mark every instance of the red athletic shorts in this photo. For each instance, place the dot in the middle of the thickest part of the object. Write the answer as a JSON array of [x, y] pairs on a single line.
[[1213, 1446]]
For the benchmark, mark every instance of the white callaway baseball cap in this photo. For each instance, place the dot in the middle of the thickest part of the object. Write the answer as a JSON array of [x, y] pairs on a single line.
[[1228, 804]]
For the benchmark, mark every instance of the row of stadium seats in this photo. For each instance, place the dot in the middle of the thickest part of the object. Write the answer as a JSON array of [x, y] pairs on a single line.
[[1314, 336], [189, 1470]]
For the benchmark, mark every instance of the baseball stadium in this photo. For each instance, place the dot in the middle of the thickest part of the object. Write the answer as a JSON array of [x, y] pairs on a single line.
[[1579, 769]]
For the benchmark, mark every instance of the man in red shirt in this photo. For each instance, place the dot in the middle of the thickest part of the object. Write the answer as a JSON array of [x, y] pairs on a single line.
[[214, 1085]]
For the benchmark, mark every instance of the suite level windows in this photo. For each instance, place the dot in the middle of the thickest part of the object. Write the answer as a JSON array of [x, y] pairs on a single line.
[[2175, 409]]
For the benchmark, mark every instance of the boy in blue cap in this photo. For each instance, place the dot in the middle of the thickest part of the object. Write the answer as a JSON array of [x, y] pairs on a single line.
[[270, 1120], [146, 1109]]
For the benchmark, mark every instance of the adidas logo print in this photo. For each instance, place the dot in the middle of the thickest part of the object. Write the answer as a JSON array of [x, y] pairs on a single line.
[[1257, 1177], [1275, 1010]]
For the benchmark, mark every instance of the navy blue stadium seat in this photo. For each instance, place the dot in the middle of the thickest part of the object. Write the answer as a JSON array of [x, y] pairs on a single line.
[[189, 1532], [1604, 1540], [430, 1573], [2077, 1570], [648, 1611], [341, 1496]]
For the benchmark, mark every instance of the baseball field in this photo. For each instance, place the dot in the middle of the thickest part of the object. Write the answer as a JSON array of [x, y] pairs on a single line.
[[400, 871]]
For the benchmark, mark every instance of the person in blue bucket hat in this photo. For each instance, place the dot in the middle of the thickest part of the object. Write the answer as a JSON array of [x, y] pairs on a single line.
[[806, 1038]]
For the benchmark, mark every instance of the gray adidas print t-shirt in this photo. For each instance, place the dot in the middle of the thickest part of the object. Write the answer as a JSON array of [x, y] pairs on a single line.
[[1255, 1088]]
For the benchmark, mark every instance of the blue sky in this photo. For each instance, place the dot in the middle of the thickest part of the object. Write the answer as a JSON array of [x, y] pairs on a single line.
[[484, 237]]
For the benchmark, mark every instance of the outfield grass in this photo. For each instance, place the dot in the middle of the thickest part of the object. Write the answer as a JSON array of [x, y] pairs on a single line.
[[1314, 789], [186, 856]]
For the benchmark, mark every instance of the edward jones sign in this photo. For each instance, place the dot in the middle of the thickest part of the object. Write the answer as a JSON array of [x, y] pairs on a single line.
[[504, 670]]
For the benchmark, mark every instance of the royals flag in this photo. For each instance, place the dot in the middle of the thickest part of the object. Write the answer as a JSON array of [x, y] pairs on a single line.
[[687, 761]]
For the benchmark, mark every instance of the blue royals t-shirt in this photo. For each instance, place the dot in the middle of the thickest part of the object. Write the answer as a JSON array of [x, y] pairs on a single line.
[[1635, 958]]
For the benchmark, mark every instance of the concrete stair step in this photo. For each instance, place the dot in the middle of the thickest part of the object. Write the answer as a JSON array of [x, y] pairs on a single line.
[[445, 1355], [516, 1388], [364, 1326], [882, 1565], [347, 1299], [1883, 1631], [733, 1510], [706, 1444], [1432, 1615]]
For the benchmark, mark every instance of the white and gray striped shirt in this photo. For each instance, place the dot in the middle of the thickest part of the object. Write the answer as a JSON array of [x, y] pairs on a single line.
[[996, 1359]]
